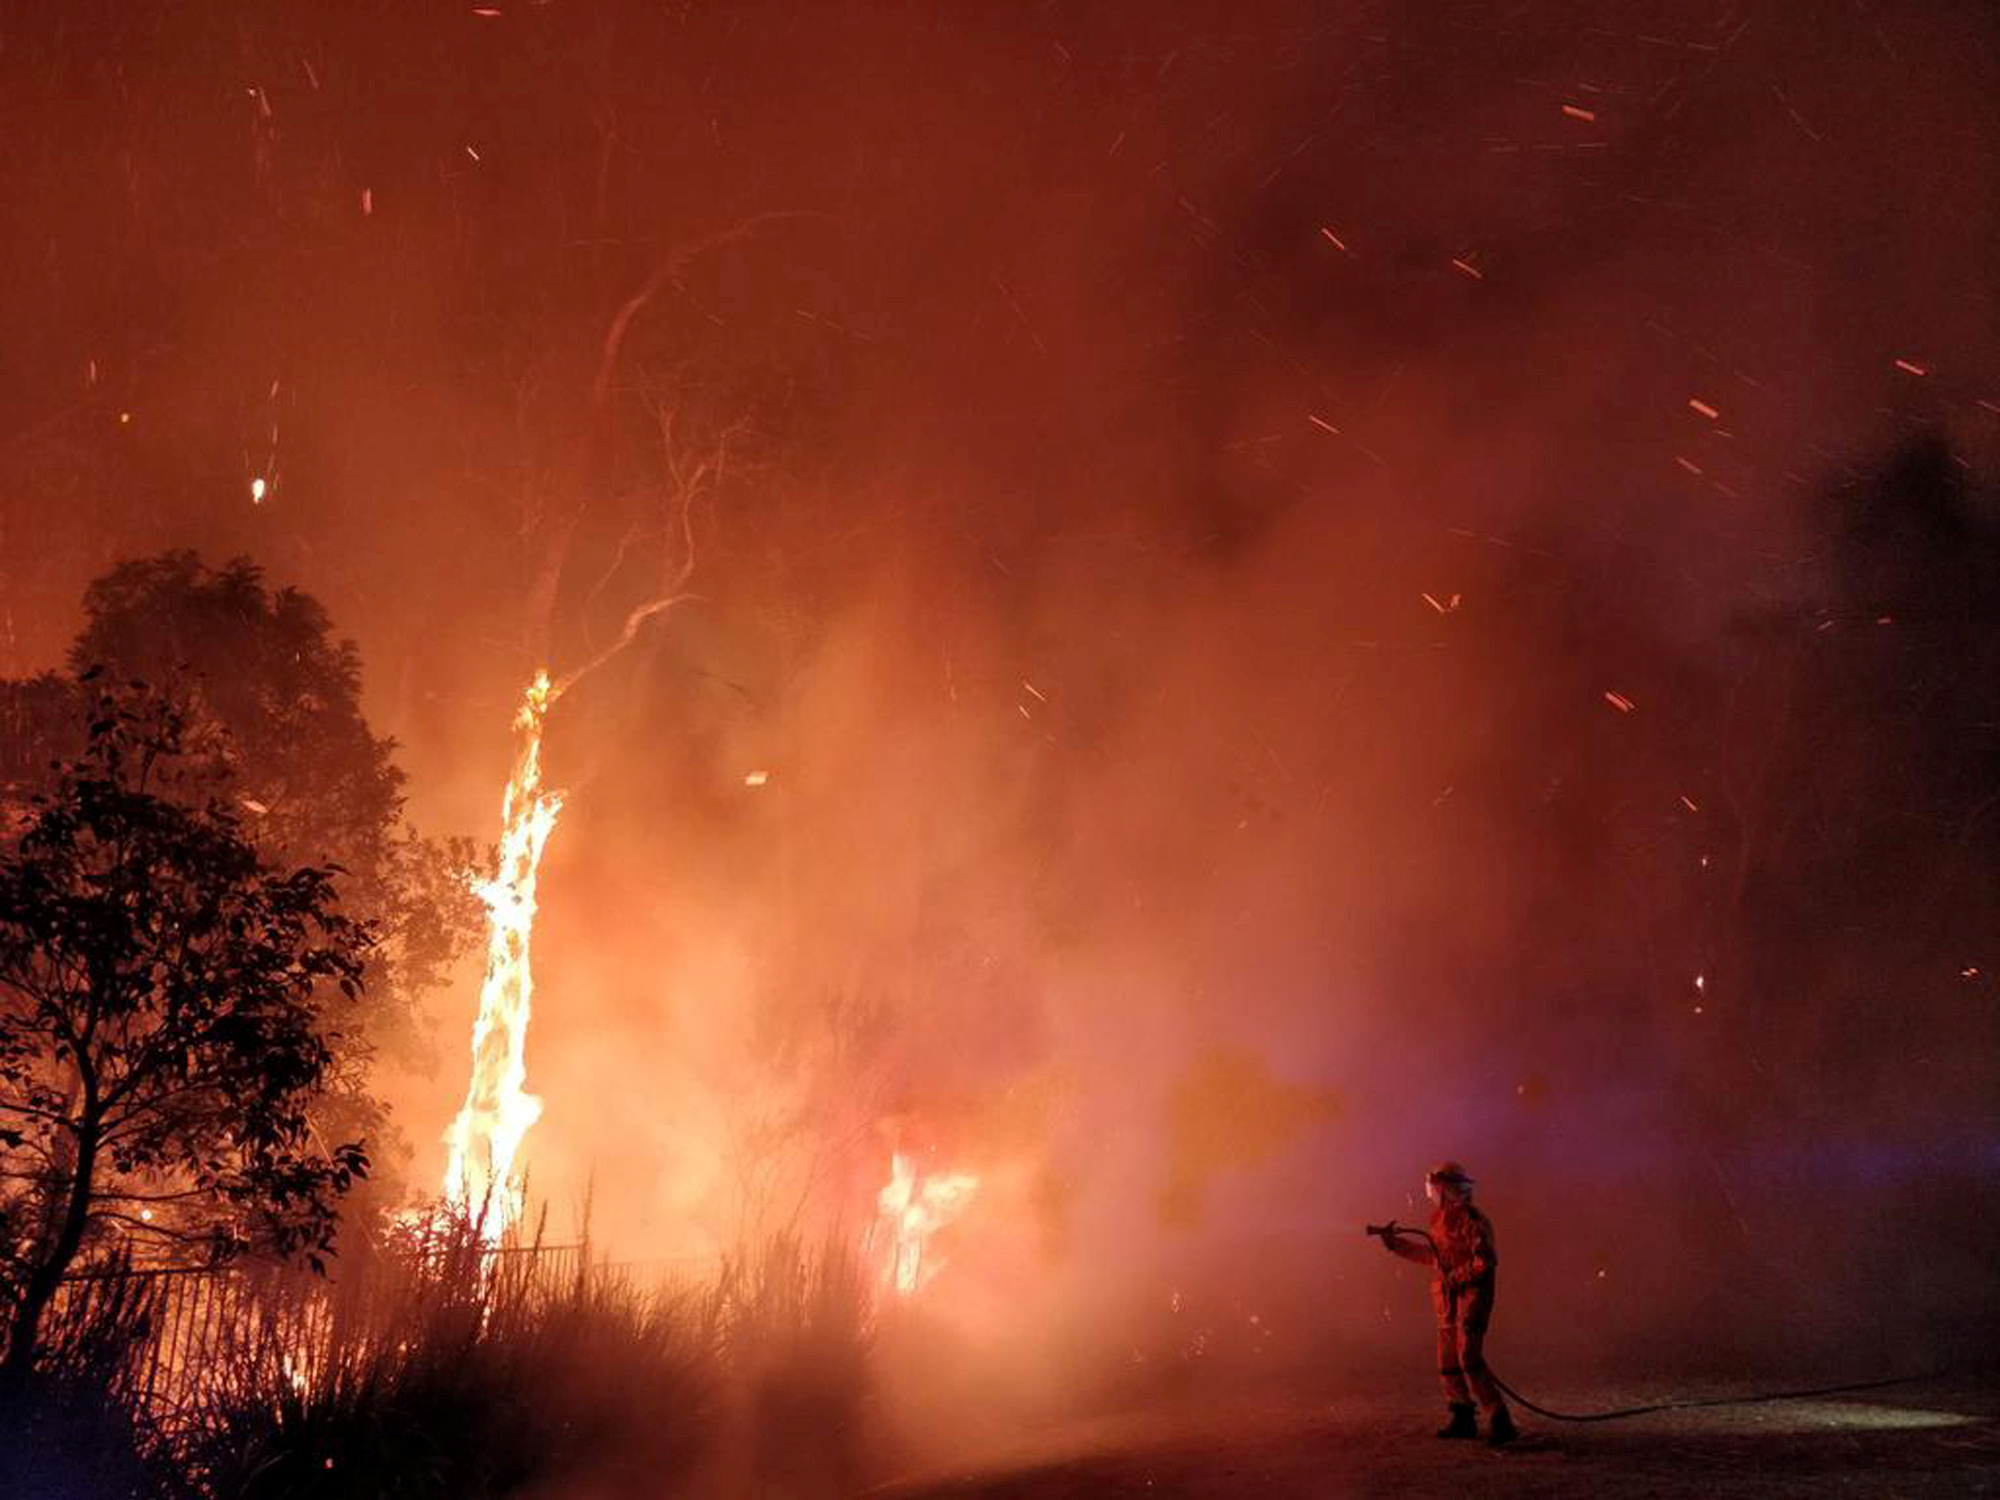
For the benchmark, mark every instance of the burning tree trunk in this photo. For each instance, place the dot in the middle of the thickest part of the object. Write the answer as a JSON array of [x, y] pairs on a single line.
[[498, 1111], [485, 1139]]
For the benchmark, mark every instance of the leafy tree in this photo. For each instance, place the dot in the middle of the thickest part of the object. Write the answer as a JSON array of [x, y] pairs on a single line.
[[272, 710], [163, 992], [276, 700]]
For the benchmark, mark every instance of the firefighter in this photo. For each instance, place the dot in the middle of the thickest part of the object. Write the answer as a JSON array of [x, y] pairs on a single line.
[[1460, 1247]]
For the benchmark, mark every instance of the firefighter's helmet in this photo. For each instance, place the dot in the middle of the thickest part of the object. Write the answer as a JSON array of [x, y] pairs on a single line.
[[1446, 1174]]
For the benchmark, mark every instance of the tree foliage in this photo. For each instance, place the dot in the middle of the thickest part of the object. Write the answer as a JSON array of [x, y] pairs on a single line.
[[271, 713], [163, 1000]]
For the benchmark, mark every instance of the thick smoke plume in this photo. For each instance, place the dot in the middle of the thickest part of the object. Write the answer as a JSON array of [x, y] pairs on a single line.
[[1314, 589]]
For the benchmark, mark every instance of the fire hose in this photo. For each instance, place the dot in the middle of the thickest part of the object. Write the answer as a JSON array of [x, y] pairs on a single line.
[[1388, 1232]]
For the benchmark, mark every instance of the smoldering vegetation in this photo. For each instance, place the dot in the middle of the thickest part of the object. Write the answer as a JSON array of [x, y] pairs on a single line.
[[1312, 589]]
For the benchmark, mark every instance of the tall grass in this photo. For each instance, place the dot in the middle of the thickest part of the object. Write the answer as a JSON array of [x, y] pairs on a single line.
[[794, 1328], [438, 1372]]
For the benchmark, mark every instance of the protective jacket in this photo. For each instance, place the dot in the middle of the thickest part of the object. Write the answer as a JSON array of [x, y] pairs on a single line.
[[1465, 1262]]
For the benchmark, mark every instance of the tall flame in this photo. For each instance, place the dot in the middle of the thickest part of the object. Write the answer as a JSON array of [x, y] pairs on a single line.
[[911, 1209], [499, 1111]]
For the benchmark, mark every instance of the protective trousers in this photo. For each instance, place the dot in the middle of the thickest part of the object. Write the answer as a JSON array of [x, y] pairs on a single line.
[[1462, 1353]]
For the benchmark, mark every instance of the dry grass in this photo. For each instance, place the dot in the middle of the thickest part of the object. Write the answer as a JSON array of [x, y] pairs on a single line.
[[433, 1370]]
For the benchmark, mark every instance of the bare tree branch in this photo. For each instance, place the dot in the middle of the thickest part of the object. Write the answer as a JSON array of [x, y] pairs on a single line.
[[663, 273]]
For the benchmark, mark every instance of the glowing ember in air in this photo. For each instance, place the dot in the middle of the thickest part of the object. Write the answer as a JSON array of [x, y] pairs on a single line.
[[498, 1109], [911, 1209]]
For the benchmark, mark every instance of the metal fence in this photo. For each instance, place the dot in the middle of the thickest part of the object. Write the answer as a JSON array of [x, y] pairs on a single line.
[[176, 1334]]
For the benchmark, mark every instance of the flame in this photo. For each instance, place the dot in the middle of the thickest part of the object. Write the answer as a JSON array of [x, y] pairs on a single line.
[[499, 1111], [911, 1209]]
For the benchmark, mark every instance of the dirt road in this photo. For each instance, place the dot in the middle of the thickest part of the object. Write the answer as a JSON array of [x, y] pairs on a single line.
[[1935, 1439]]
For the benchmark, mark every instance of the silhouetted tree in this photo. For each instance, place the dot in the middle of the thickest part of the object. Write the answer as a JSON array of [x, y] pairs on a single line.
[[162, 992], [272, 712], [275, 700]]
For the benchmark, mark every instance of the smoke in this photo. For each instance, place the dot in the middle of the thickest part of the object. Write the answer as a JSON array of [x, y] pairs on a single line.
[[1206, 485]]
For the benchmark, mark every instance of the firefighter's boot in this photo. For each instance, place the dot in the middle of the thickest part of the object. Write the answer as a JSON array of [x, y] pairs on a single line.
[[1500, 1429], [1462, 1423]]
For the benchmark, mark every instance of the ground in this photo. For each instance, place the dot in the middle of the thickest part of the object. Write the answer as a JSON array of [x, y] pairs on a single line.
[[1939, 1438]]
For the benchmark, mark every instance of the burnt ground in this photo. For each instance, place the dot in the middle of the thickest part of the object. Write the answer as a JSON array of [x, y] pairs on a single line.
[[1937, 1438]]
